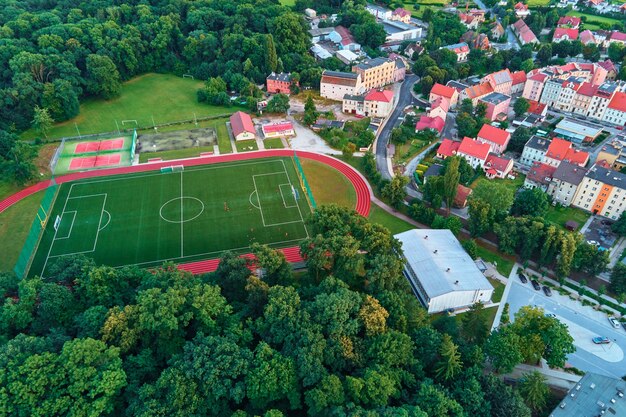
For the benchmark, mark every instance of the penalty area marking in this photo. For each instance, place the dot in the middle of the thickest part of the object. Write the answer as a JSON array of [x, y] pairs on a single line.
[[71, 225], [257, 199], [108, 220]]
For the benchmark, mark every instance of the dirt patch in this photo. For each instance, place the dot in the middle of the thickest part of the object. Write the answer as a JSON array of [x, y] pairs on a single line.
[[42, 162], [178, 139]]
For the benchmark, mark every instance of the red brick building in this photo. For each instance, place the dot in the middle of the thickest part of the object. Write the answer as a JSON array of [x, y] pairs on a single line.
[[279, 83]]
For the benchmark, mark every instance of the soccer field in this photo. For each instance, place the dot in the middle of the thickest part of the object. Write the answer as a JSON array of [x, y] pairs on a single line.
[[182, 216]]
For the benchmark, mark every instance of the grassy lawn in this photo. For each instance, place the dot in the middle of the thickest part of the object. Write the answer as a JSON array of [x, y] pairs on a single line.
[[223, 139], [513, 184], [164, 97], [560, 215], [538, 3], [391, 222], [15, 223], [274, 143], [328, 185], [246, 146], [498, 289], [504, 263], [593, 18], [406, 151], [289, 3], [488, 313], [175, 154], [7, 189]]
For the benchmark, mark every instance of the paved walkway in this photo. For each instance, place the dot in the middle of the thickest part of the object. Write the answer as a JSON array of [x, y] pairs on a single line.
[[586, 225], [397, 214]]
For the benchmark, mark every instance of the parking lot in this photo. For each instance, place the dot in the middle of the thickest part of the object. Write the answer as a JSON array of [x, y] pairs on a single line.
[[599, 230], [584, 323]]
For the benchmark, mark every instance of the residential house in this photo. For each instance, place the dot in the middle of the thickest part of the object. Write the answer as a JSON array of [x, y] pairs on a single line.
[[497, 106], [242, 127], [279, 83], [521, 10], [534, 86], [539, 176], [610, 153], [335, 85], [523, 33], [447, 148], [460, 49], [462, 195], [457, 85], [565, 34], [618, 37], [476, 92], [474, 152], [615, 112], [497, 166], [376, 103], [400, 72], [344, 39], [413, 49], [476, 40], [609, 66], [561, 150], [602, 191], [402, 15], [471, 20], [448, 93], [583, 97], [518, 81], [569, 21], [601, 99], [565, 181], [320, 34], [378, 12], [435, 124], [537, 109], [497, 31], [278, 130], [534, 150], [497, 139], [439, 108], [376, 72], [500, 81], [587, 37]]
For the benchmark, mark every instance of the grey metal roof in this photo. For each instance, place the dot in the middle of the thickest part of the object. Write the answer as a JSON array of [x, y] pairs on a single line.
[[371, 63], [495, 98], [607, 176], [433, 170], [339, 74], [570, 173], [354, 98], [283, 76], [539, 143], [594, 395], [321, 31], [440, 262], [399, 63], [457, 85]]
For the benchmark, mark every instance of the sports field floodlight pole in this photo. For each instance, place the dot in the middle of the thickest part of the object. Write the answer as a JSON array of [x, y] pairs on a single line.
[[195, 119], [118, 127], [153, 124], [76, 126]]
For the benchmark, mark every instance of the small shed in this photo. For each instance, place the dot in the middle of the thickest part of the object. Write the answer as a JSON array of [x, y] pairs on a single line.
[[571, 225]]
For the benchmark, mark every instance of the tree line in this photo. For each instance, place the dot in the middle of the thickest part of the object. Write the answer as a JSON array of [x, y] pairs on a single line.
[[345, 338]]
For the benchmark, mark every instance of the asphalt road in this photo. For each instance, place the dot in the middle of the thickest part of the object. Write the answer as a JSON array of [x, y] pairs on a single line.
[[405, 98], [512, 40], [584, 323]]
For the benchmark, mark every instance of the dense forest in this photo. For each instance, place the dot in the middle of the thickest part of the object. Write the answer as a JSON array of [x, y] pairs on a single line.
[[346, 338]]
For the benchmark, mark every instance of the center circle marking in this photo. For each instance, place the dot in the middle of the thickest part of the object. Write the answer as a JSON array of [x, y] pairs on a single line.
[[170, 211]]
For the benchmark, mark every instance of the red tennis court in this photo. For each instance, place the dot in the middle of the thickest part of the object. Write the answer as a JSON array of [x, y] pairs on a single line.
[[95, 161], [105, 145]]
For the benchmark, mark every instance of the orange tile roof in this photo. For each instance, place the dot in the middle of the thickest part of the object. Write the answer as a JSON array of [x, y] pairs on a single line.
[[577, 157], [442, 90], [558, 149], [479, 90], [518, 77]]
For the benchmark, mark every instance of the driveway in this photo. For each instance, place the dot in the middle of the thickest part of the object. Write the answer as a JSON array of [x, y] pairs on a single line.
[[307, 140], [583, 322], [405, 98]]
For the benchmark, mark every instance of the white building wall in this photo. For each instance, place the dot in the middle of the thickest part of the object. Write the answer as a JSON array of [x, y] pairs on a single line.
[[530, 155], [336, 91], [458, 299], [615, 117]]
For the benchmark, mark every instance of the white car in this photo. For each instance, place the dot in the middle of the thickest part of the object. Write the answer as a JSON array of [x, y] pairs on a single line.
[[614, 322], [593, 242]]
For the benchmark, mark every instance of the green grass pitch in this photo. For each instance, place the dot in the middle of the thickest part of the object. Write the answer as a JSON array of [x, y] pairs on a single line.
[[183, 216]]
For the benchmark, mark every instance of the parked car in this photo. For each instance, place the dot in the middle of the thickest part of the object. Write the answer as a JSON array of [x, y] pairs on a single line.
[[522, 278], [614, 322], [593, 242], [536, 285], [601, 340], [547, 291], [551, 315]]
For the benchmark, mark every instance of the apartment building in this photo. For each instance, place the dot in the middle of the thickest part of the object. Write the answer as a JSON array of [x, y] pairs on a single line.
[[335, 85], [534, 150], [376, 72], [602, 191], [615, 112], [582, 98], [534, 86], [500, 81], [565, 181], [601, 99]]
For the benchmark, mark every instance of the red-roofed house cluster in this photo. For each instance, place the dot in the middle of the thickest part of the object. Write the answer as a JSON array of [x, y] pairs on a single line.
[[242, 128], [442, 99], [483, 152]]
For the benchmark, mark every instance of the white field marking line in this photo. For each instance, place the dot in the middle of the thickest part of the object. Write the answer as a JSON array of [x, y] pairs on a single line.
[[259, 200], [184, 220], [85, 196], [182, 234], [71, 225], [297, 205], [130, 176], [202, 254], [108, 221], [95, 243], [250, 199], [55, 232], [280, 187]]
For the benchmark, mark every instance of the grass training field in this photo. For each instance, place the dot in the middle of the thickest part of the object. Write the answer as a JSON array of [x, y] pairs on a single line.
[[164, 97], [193, 214], [591, 19]]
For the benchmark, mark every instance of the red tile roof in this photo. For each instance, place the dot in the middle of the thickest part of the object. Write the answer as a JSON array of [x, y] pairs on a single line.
[[479, 90], [540, 171], [560, 33], [587, 89], [448, 147], [618, 102], [608, 64], [378, 95], [538, 77], [586, 36], [493, 134], [618, 36], [558, 149], [536, 107], [569, 21], [241, 122], [426, 122], [462, 193], [518, 77], [524, 31], [498, 163], [277, 127], [401, 12], [520, 6], [442, 90], [577, 157], [474, 148]]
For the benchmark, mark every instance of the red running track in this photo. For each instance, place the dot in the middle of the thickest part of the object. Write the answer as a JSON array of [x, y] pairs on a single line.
[[361, 186]]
